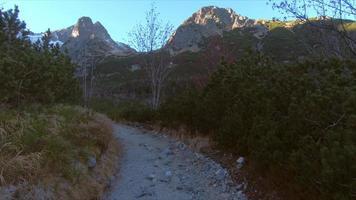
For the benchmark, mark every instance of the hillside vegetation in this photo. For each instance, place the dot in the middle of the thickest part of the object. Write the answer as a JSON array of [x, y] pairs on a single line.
[[49, 148], [296, 121], [285, 99], [288, 104], [284, 105], [285, 42], [296, 118], [32, 73], [56, 152]]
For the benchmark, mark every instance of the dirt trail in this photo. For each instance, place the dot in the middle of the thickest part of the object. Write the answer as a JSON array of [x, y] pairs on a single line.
[[157, 167]]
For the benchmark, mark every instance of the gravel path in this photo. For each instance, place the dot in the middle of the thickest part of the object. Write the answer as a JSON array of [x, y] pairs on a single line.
[[156, 167]]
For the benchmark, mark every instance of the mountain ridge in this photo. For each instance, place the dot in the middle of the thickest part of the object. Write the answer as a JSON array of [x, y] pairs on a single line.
[[86, 41], [212, 21], [207, 21]]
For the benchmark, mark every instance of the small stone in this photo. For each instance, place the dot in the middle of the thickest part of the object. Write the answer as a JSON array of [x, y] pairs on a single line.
[[220, 174], [198, 156], [245, 186], [179, 188], [91, 162], [143, 194], [239, 186], [167, 152], [181, 146], [164, 180], [168, 173], [240, 162], [151, 177]]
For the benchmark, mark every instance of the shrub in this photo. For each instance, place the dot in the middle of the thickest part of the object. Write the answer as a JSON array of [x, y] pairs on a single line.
[[125, 110], [299, 118], [32, 73], [181, 110]]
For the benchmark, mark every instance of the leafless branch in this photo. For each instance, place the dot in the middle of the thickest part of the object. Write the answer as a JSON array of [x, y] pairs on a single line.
[[335, 123], [149, 38], [339, 9]]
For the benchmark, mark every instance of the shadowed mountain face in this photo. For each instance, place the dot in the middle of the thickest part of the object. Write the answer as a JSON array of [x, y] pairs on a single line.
[[86, 40]]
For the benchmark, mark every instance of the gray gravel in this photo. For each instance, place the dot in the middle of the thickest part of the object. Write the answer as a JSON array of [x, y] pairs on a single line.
[[156, 167]]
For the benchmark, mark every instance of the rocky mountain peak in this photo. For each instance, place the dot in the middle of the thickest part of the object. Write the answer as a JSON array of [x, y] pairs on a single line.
[[85, 28], [207, 21], [86, 39], [84, 21], [225, 17]]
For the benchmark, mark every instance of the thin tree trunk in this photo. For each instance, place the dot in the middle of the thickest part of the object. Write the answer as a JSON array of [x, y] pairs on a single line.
[[85, 86]]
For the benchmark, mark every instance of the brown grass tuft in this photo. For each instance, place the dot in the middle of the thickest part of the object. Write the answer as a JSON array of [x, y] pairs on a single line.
[[43, 155], [20, 167]]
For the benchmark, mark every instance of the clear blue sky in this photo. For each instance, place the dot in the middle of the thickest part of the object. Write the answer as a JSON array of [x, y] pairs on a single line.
[[119, 16]]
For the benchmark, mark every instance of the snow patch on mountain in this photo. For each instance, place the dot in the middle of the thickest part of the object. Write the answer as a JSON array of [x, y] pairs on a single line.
[[37, 37]]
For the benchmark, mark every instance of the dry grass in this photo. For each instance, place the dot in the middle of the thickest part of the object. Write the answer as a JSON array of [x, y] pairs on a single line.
[[20, 167], [94, 185], [44, 153]]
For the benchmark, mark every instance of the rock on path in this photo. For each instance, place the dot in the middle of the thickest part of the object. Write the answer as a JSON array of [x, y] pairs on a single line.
[[156, 167]]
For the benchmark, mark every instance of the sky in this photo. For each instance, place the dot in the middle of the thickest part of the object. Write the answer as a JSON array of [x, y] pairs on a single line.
[[120, 16]]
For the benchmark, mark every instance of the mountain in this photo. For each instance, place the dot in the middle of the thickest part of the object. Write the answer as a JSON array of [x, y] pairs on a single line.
[[125, 48], [87, 41], [208, 21], [213, 33], [222, 28], [34, 37]]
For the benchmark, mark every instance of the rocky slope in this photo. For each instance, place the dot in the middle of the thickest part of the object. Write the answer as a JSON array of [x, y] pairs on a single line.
[[168, 170], [87, 41], [302, 39], [208, 21], [196, 54]]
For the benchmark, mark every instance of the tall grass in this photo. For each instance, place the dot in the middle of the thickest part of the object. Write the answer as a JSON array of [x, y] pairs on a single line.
[[56, 141]]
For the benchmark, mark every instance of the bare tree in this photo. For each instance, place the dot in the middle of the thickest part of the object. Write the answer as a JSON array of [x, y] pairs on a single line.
[[339, 11], [149, 38], [87, 71]]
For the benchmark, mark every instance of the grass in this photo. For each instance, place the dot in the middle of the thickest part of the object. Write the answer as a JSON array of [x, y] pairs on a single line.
[[275, 24], [49, 147], [351, 26]]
